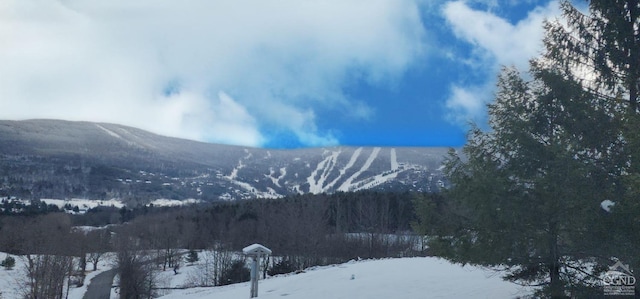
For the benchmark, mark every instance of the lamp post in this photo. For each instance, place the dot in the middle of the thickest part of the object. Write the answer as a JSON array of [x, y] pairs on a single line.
[[255, 252]]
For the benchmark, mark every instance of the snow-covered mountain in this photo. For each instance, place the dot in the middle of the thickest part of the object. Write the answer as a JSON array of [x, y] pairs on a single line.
[[62, 159]]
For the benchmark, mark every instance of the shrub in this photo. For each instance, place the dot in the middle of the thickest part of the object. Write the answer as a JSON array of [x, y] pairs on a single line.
[[8, 263], [238, 272], [283, 267], [192, 256]]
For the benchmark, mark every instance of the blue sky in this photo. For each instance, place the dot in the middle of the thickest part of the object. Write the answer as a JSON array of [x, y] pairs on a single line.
[[277, 74]]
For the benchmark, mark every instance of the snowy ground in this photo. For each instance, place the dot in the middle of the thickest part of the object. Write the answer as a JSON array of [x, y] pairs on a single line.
[[12, 281], [389, 278], [86, 204]]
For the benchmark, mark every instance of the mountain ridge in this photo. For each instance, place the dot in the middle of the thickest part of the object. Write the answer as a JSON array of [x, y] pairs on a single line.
[[47, 158]]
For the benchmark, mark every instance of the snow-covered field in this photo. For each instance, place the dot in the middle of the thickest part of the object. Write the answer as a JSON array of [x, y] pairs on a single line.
[[86, 204], [405, 278], [82, 204]]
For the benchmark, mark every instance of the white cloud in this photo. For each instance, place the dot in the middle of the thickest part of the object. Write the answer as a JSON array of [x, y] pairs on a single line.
[[160, 64], [467, 104], [496, 43], [220, 120], [508, 44]]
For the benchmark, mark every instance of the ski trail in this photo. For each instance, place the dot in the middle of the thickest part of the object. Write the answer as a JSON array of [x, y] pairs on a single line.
[[381, 178], [128, 140], [326, 166], [112, 133], [376, 180], [394, 160], [234, 172], [276, 180], [347, 184], [283, 173], [350, 164], [246, 186]]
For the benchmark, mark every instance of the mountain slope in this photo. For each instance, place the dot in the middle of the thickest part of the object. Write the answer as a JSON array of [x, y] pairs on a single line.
[[62, 159]]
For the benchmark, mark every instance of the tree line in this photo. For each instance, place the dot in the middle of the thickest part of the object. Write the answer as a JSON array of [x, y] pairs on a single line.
[[302, 231]]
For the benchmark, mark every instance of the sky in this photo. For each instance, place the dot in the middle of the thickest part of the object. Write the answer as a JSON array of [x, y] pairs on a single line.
[[267, 73]]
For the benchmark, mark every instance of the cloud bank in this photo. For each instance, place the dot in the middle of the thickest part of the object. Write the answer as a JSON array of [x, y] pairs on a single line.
[[229, 71], [495, 42]]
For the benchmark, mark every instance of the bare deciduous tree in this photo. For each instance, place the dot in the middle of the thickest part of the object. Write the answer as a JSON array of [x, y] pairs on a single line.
[[214, 262], [98, 245], [135, 268]]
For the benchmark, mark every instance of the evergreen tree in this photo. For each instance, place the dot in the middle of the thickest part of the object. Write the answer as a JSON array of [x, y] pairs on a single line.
[[526, 195], [8, 262], [602, 48], [192, 256]]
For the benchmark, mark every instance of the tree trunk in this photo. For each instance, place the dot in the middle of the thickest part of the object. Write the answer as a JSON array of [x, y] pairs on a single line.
[[633, 98], [555, 285], [634, 59]]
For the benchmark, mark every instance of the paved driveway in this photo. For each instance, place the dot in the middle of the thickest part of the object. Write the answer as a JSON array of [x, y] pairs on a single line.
[[100, 286]]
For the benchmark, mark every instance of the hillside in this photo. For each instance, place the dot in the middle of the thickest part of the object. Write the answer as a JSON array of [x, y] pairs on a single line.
[[390, 278], [62, 159]]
